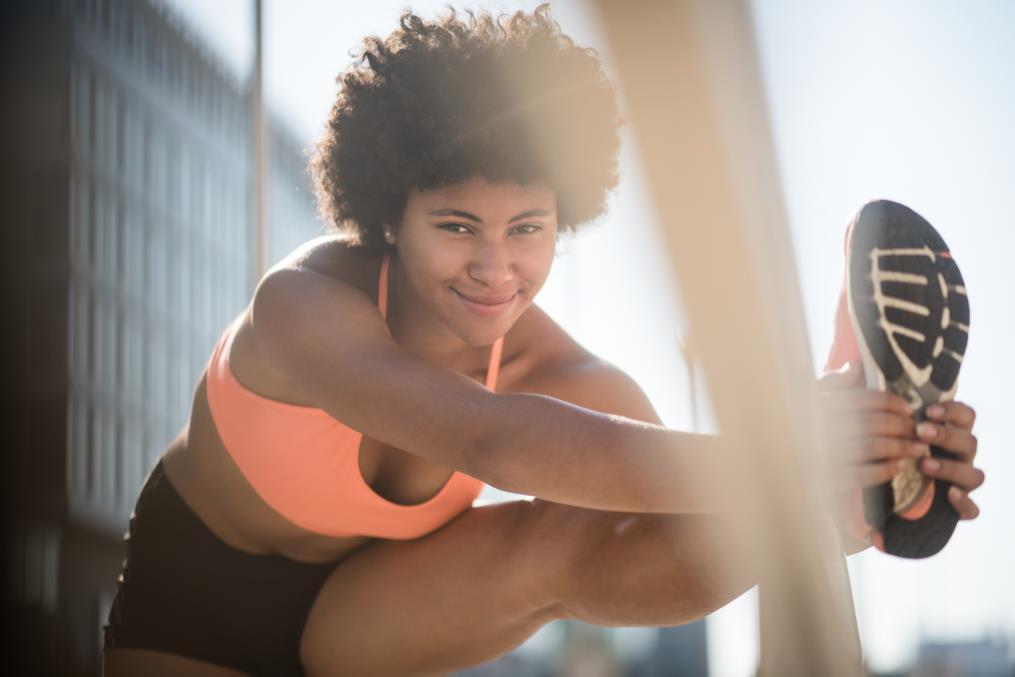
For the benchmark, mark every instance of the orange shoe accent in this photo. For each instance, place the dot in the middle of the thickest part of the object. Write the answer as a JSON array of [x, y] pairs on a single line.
[[845, 349], [922, 506]]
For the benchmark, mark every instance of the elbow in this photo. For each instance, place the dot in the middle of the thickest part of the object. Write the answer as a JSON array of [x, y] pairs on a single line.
[[479, 460], [487, 455], [471, 459]]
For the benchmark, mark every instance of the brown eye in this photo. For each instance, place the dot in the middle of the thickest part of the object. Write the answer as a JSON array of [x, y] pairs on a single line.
[[455, 228]]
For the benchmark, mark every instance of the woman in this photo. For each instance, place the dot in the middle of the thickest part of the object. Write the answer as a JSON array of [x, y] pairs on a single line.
[[315, 514]]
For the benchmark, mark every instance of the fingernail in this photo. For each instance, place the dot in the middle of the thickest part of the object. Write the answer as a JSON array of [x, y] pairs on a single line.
[[954, 493], [900, 464], [919, 449], [927, 430], [935, 411], [932, 464]]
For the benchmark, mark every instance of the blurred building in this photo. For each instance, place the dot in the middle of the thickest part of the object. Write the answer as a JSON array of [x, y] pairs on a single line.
[[127, 225], [577, 649], [990, 657], [127, 203]]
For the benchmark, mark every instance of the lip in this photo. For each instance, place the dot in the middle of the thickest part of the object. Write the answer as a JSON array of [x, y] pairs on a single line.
[[486, 307]]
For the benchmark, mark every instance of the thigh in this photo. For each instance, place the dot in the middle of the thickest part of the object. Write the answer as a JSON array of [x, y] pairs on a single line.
[[185, 595], [462, 595], [133, 662]]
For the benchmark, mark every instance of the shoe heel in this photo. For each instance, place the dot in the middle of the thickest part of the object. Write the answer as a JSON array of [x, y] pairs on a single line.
[[921, 507]]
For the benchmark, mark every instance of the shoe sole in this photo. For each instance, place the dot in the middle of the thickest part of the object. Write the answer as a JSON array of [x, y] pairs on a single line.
[[910, 313]]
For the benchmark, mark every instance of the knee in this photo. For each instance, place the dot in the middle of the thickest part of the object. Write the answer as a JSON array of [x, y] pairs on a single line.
[[545, 540], [557, 546], [634, 568]]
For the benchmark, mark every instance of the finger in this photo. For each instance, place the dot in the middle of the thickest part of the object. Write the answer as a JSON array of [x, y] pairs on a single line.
[[963, 504], [950, 438], [882, 424], [870, 474], [868, 400], [864, 426], [956, 413], [962, 475], [867, 449]]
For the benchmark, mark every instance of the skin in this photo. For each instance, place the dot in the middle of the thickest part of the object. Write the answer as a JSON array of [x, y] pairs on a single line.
[[484, 582]]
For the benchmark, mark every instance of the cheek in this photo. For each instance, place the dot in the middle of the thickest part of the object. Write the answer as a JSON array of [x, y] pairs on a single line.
[[536, 264], [445, 265], [429, 261]]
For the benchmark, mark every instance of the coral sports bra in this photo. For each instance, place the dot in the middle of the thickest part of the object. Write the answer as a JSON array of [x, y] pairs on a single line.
[[305, 464]]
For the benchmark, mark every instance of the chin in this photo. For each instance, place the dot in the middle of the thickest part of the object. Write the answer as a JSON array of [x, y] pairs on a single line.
[[484, 332], [479, 337]]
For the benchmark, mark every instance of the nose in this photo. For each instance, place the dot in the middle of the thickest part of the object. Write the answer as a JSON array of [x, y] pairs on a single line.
[[492, 266]]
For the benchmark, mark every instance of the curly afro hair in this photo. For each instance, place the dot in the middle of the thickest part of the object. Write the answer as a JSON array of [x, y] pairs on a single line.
[[509, 98]]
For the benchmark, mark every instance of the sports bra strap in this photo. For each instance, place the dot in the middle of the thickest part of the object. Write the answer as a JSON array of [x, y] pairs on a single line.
[[492, 369], [382, 287]]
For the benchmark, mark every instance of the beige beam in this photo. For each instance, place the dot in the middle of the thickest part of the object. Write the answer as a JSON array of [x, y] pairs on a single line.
[[690, 76]]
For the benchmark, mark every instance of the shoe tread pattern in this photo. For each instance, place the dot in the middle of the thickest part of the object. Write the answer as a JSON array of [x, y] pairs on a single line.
[[909, 302]]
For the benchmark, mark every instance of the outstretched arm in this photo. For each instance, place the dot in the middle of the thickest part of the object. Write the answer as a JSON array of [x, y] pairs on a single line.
[[330, 339]]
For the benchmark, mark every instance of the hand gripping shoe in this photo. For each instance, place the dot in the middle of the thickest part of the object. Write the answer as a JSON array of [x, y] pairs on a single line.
[[904, 312]]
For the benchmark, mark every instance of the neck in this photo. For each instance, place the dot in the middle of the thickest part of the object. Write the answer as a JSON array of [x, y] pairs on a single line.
[[415, 329]]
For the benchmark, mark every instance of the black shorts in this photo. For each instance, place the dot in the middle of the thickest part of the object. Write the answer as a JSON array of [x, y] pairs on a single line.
[[183, 591]]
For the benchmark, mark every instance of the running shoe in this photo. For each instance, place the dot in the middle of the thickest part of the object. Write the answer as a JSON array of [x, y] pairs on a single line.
[[904, 313]]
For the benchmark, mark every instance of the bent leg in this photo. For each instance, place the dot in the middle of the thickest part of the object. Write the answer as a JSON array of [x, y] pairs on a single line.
[[133, 662], [460, 596], [629, 569], [486, 581]]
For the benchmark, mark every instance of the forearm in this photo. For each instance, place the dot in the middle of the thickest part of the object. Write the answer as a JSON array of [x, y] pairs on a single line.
[[544, 447]]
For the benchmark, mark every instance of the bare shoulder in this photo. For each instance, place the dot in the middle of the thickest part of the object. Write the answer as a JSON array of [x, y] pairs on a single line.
[[331, 256], [563, 368], [326, 265], [319, 284], [322, 293]]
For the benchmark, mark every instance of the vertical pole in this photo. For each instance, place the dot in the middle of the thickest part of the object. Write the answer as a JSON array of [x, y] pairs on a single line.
[[260, 168], [692, 382], [689, 72]]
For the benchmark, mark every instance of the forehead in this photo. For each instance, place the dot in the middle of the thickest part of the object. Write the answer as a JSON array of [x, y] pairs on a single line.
[[485, 199]]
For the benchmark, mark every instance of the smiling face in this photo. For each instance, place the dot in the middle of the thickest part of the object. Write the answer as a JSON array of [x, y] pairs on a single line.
[[475, 254]]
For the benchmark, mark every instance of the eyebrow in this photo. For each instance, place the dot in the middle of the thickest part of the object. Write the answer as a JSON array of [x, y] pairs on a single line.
[[472, 217]]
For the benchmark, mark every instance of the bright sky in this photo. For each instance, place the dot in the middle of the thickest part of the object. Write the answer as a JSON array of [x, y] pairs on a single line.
[[911, 100]]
